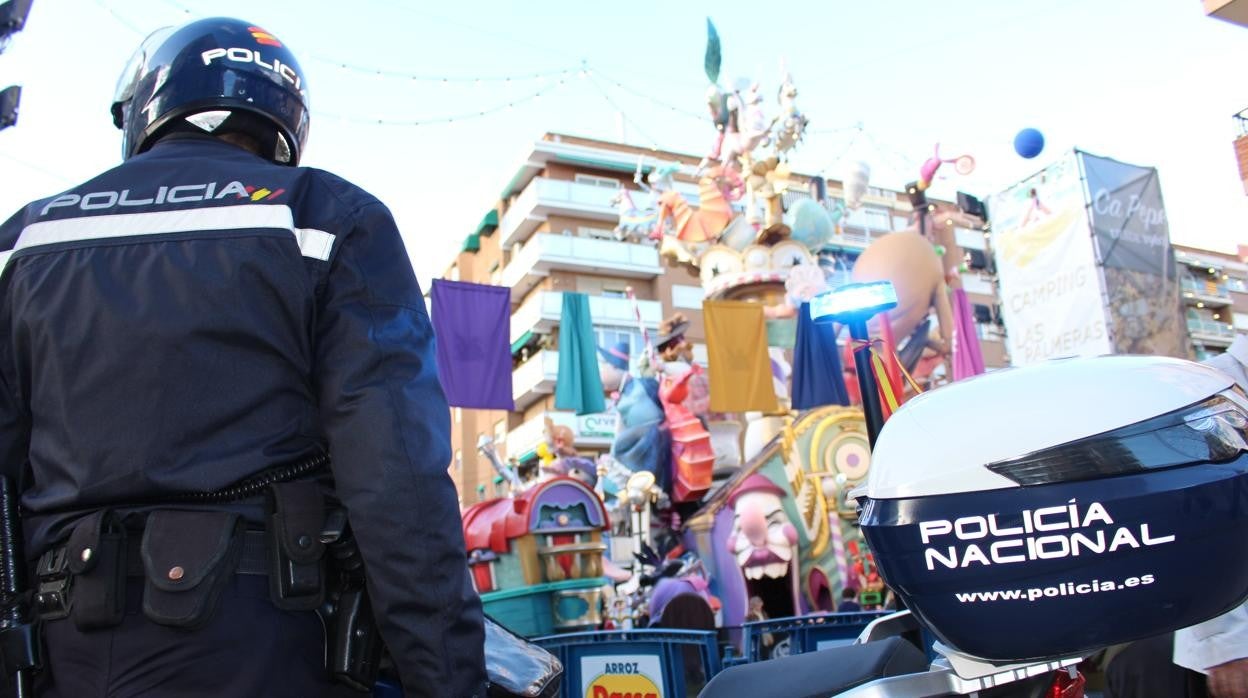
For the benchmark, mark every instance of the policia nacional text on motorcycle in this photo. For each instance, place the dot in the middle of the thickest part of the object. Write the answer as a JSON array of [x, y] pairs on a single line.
[[219, 405]]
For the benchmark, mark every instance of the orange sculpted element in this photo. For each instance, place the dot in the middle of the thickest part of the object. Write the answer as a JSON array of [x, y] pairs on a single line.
[[703, 224]]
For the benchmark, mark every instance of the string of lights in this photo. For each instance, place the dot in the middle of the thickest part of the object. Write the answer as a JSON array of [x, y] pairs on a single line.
[[654, 145], [121, 20], [451, 118], [654, 100], [37, 168], [844, 152], [908, 166], [562, 73], [180, 6]]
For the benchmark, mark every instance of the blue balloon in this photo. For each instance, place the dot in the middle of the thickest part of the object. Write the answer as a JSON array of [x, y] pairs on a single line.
[[1028, 143]]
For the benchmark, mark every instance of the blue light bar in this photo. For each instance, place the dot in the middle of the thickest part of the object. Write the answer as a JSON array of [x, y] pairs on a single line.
[[853, 300]]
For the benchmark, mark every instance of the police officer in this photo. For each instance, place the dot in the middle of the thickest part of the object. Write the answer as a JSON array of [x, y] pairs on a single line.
[[198, 315]]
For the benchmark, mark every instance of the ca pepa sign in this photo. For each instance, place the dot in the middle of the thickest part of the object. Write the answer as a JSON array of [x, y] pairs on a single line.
[[621, 676]]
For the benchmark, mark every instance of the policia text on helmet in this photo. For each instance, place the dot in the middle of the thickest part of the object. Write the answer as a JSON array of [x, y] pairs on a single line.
[[245, 82]]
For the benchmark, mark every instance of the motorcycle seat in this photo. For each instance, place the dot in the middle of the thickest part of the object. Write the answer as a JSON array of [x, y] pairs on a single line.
[[818, 674]]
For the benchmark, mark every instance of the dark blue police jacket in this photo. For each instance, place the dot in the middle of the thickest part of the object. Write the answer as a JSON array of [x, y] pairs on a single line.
[[197, 315]]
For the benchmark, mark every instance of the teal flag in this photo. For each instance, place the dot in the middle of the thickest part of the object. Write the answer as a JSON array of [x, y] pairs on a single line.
[[579, 387]]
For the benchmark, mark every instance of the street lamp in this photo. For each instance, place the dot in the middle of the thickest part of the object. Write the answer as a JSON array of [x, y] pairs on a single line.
[[853, 305]]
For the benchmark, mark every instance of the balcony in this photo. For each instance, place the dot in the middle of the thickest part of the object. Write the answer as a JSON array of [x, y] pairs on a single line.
[[973, 282], [1210, 295], [544, 196], [590, 431], [535, 378], [1210, 332], [547, 252], [855, 238], [542, 310]]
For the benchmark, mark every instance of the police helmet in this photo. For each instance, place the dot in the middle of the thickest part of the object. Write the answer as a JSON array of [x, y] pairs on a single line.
[[215, 76], [1049, 510]]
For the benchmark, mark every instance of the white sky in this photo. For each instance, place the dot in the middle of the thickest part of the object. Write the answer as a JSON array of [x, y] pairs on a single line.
[[1150, 82]]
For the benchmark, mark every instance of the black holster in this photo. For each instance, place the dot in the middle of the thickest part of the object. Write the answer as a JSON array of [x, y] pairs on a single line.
[[353, 648], [303, 577]]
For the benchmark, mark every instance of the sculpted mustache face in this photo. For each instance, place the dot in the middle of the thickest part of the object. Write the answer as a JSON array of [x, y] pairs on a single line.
[[763, 539]]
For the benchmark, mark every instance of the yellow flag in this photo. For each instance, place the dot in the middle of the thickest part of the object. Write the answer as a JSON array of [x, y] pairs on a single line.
[[736, 347]]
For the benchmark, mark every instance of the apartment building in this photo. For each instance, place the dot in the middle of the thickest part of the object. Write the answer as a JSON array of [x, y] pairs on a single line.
[[1214, 291], [552, 231]]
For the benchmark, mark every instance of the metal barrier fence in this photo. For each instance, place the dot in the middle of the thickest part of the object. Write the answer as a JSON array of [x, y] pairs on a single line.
[[674, 663], [797, 635]]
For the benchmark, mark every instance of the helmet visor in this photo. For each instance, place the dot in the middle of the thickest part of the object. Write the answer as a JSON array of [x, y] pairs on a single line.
[[134, 70]]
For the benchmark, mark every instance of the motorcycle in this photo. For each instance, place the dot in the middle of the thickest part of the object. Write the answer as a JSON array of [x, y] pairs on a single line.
[[1083, 509]]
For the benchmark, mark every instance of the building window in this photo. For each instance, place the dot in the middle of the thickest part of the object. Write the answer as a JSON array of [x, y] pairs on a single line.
[[608, 337], [700, 355], [687, 296], [586, 231], [874, 219], [459, 461], [879, 219], [459, 415], [976, 259], [496, 274], [596, 181], [500, 434], [969, 239], [453, 273], [614, 292]]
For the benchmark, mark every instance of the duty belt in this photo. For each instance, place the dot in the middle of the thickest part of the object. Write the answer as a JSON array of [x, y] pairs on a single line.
[[55, 580]]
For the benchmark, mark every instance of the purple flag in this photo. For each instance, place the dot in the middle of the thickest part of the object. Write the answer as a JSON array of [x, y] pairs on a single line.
[[472, 323]]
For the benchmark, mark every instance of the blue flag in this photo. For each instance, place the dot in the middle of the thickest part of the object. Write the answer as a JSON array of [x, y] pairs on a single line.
[[817, 376], [472, 324], [579, 387]]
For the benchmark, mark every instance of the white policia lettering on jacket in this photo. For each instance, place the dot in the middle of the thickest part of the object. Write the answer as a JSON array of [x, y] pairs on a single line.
[[182, 193], [1007, 544], [314, 243]]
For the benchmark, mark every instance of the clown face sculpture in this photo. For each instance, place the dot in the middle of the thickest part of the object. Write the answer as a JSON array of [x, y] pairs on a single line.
[[763, 539]]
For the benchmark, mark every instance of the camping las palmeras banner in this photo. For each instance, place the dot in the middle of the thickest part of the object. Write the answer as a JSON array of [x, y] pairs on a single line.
[[1046, 266], [472, 323]]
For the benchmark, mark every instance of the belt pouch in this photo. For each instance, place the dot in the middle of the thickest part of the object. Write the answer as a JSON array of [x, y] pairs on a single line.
[[297, 555], [188, 558], [96, 557]]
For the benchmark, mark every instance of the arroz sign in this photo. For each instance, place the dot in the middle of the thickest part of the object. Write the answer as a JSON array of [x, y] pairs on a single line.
[[621, 676]]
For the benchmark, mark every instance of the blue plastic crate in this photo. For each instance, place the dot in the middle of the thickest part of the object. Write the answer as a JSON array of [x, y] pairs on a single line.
[[672, 662]]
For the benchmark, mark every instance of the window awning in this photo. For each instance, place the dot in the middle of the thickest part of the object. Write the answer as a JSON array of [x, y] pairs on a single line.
[[605, 164], [472, 243], [519, 343], [488, 224]]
